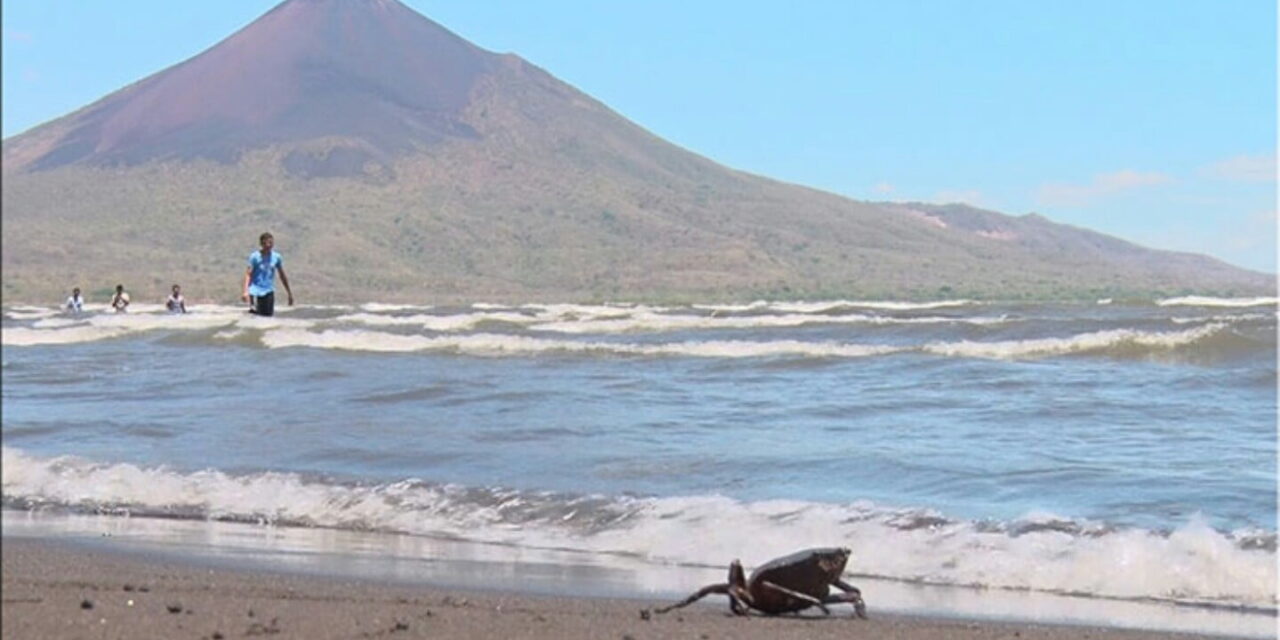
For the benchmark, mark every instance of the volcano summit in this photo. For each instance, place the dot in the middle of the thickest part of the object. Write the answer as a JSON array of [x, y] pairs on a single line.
[[395, 160], [372, 70]]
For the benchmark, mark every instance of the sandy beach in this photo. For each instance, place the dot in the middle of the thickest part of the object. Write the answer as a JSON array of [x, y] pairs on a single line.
[[55, 589]]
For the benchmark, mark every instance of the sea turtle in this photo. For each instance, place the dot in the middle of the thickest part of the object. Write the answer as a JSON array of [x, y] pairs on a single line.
[[785, 585]]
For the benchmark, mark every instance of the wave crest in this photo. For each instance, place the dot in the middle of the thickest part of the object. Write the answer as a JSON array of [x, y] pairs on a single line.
[[1204, 301], [1042, 552]]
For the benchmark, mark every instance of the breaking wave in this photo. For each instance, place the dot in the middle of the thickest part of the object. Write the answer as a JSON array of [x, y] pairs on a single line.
[[509, 345], [25, 312], [1042, 552], [835, 305], [1192, 343], [1121, 343], [668, 322], [840, 329], [91, 327], [1114, 342], [28, 337], [1201, 301]]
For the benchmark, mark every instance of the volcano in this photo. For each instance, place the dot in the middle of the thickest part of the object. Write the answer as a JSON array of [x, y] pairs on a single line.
[[371, 70], [394, 160]]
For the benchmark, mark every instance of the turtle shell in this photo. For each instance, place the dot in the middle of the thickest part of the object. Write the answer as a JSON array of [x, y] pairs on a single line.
[[810, 572]]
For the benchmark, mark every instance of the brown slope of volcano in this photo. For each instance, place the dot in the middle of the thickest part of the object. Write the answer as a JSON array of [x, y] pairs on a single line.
[[371, 70]]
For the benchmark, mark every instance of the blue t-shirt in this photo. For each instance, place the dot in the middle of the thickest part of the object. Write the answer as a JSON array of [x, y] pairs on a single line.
[[263, 279]]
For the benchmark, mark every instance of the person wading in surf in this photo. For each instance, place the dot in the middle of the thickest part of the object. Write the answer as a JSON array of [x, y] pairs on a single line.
[[120, 301], [176, 303], [74, 304], [260, 278]]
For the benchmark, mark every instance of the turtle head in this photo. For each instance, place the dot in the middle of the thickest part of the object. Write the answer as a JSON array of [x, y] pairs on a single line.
[[737, 577], [834, 560], [739, 595]]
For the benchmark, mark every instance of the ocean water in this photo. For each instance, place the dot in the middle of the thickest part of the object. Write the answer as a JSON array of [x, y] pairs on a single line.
[[1122, 450]]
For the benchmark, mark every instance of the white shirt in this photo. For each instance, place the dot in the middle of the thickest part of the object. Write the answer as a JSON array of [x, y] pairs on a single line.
[[176, 304]]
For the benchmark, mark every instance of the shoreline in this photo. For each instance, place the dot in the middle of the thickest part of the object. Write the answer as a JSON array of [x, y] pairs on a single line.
[[1205, 298], [65, 588]]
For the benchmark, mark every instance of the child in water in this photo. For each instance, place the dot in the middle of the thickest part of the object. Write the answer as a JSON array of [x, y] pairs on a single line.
[[74, 304]]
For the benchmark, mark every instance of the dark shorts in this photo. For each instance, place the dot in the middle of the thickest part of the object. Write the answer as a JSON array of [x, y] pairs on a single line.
[[263, 305]]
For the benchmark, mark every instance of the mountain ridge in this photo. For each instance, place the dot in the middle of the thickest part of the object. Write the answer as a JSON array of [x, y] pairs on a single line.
[[519, 187]]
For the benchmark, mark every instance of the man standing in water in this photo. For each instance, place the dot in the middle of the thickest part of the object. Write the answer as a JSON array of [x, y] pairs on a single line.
[[260, 278], [176, 303], [120, 301]]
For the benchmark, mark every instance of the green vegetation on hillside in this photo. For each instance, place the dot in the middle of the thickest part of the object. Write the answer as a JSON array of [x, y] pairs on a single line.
[[558, 199]]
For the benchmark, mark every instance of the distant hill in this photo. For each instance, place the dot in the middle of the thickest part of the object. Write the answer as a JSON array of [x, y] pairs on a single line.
[[395, 161]]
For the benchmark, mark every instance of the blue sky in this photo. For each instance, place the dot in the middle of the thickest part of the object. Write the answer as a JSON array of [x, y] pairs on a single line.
[[1150, 120]]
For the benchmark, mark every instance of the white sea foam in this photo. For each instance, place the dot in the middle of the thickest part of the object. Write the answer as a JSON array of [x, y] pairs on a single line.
[[359, 331], [138, 322], [378, 307], [324, 307], [28, 337], [578, 319], [829, 306], [58, 323], [501, 345], [826, 307], [28, 312], [528, 314], [662, 322], [733, 308], [1080, 343], [1194, 563], [1201, 301], [249, 321], [22, 312], [375, 341], [658, 322], [1224, 318], [590, 312], [487, 344], [103, 326], [745, 349], [444, 323]]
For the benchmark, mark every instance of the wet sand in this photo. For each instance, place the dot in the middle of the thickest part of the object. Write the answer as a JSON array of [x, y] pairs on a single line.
[[54, 589]]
